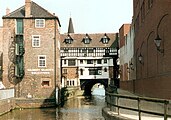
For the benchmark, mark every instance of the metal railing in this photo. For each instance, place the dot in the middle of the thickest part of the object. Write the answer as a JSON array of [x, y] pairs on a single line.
[[6, 93], [113, 100]]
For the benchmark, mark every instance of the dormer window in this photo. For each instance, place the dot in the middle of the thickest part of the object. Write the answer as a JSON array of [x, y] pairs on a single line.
[[68, 39], [105, 39], [86, 39]]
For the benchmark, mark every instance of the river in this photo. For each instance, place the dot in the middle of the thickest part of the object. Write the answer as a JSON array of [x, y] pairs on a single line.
[[78, 108]]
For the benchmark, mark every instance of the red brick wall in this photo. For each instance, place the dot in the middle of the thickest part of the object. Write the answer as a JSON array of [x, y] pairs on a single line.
[[154, 75], [122, 32]]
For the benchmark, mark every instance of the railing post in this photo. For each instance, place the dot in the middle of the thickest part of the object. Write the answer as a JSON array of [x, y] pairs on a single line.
[[118, 105], [165, 109], [110, 102], [139, 108]]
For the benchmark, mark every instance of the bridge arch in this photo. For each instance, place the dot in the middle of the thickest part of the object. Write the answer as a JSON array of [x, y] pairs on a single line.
[[87, 84]]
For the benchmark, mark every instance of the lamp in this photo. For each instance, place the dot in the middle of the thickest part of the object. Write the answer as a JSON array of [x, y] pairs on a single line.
[[140, 58], [158, 44], [131, 66]]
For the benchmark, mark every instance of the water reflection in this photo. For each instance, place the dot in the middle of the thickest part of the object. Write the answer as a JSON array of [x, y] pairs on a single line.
[[75, 109]]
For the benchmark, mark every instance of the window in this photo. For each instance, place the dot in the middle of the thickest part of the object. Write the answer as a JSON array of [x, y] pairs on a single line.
[[68, 39], [105, 69], [90, 50], [66, 50], [95, 71], [89, 61], [92, 72], [39, 23], [70, 83], [19, 26], [81, 71], [86, 39], [45, 82], [81, 61], [65, 62], [105, 39], [99, 61], [36, 41], [65, 71], [41, 61], [84, 50], [71, 62], [105, 60]]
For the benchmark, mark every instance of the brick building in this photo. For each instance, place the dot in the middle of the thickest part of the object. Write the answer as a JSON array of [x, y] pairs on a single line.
[[151, 20], [31, 51]]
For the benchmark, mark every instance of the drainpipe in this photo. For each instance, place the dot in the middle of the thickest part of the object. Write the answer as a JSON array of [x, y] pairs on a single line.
[[55, 62]]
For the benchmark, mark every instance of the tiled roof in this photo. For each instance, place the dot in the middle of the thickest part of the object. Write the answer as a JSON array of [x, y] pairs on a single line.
[[95, 40], [36, 12]]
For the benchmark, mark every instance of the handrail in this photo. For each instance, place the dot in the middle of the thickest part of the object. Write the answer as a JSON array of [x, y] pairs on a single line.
[[110, 102]]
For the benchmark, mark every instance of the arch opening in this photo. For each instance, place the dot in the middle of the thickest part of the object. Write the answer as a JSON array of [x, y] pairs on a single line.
[[88, 85]]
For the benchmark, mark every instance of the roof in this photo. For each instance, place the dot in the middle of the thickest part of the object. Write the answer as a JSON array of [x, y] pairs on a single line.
[[95, 40], [36, 12]]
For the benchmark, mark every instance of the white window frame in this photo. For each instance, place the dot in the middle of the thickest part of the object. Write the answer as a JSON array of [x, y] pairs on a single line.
[[39, 23], [40, 64], [36, 41]]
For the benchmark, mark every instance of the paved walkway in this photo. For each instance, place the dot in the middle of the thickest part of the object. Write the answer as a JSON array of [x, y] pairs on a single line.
[[157, 107]]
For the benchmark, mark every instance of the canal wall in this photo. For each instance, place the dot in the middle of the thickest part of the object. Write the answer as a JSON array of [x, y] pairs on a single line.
[[74, 92], [9, 104], [6, 105], [34, 103]]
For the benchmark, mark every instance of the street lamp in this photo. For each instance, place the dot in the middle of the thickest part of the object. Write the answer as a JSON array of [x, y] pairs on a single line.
[[158, 44], [140, 58], [131, 66]]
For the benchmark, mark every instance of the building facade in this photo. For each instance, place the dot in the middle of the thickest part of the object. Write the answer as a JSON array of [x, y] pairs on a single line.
[[83, 58], [31, 44], [127, 61], [151, 21]]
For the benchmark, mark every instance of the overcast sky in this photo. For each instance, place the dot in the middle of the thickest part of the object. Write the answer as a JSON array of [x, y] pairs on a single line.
[[88, 16]]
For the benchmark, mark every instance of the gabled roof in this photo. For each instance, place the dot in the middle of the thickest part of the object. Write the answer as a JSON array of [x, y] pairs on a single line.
[[95, 40], [36, 12]]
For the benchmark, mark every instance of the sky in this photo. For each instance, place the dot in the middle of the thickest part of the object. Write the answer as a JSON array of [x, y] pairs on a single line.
[[88, 16]]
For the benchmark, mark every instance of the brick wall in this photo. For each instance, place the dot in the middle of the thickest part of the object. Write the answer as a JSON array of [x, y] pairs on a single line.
[[154, 75], [34, 75]]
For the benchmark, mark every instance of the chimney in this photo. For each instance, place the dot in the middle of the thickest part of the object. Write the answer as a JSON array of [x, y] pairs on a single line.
[[7, 11], [27, 8]]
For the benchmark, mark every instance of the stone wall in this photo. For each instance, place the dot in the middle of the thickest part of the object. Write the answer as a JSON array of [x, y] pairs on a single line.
[[6, 105], [34, 103]]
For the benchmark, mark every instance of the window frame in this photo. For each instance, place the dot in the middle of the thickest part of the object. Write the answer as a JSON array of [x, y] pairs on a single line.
[[38, 24], [99, 61], [90, 61], [71, 62], [36, 40], [39, 61], [46, 80]]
